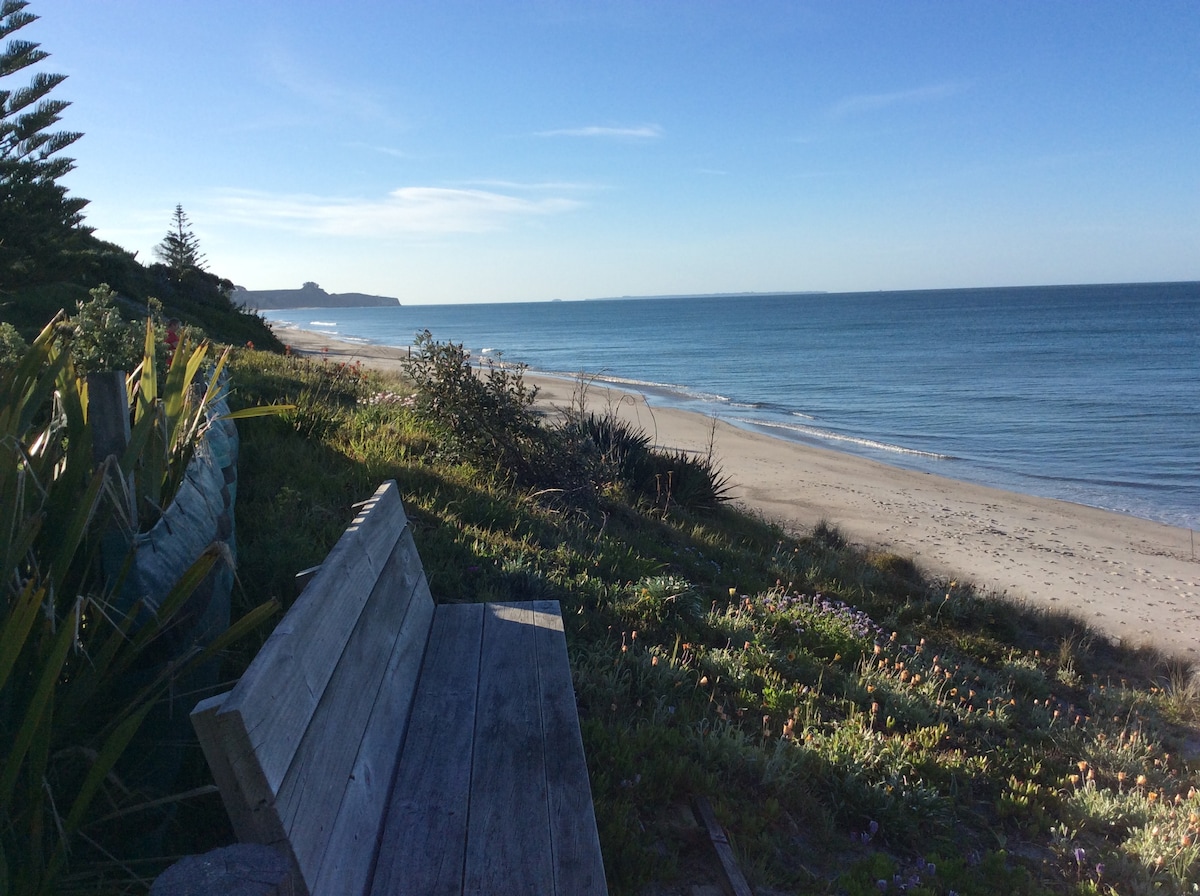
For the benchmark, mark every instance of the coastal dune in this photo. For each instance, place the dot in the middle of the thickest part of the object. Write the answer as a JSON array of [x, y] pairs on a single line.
[[1136, 581]]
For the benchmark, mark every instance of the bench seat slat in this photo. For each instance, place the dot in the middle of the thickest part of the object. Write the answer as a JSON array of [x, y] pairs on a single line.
[[280, 690], [424, 839], [334, 797], [577, 862], [508, 842]]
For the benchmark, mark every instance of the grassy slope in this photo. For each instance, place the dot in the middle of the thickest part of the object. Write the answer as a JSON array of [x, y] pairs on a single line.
[[849, 719]]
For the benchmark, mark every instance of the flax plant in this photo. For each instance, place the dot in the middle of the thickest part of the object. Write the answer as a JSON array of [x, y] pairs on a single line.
[[69, 705]]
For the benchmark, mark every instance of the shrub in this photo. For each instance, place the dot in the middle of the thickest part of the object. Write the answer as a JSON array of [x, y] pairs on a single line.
[[101, 339], [486, 418], [12, 346], [691, 481], [664, 478], [480, 417], [623, 450]]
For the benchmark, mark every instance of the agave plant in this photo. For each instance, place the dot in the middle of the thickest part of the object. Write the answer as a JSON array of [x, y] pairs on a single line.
[[69, 706]]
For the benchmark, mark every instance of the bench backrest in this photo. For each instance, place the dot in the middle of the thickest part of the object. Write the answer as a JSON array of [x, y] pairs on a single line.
[[304, 747]]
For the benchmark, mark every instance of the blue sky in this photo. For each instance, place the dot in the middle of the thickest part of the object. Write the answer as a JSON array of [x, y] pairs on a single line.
[[552, 149]]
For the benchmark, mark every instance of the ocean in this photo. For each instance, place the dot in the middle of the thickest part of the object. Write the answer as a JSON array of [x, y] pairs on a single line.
[[1082, 393]]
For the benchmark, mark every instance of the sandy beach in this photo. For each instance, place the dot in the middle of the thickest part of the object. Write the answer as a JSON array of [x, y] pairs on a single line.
[[1134, 580]]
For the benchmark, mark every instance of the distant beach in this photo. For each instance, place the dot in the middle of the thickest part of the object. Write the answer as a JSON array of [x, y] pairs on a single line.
[[1134, 580]]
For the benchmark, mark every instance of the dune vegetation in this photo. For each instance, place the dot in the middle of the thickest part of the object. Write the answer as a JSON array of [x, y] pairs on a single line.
[[857, 726]]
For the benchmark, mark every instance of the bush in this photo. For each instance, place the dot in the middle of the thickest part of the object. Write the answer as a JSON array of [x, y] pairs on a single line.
[[12, 346], [101, 339], [485, 417], [664, 478], [476, 417]]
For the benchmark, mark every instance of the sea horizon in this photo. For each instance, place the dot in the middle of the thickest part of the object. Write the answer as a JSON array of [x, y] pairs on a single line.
[[1084, 393]]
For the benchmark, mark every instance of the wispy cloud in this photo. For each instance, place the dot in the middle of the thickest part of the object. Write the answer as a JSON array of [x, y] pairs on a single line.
[[639, 132], [389, 151], [381, 150], [321, 91], [408, 210], [534, 186], [873, 102]]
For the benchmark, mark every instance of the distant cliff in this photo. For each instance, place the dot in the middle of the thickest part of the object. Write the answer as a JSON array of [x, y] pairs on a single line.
[[308, 296]]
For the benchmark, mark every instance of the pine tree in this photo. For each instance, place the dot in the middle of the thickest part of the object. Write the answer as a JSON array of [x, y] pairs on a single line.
[[180, 250], [38, 221]]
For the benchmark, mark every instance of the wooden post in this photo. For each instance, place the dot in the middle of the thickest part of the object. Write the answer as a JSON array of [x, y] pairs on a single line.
[[108, 419]]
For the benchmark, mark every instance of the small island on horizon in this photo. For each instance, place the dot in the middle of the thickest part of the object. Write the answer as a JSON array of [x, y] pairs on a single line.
[[310, 295]]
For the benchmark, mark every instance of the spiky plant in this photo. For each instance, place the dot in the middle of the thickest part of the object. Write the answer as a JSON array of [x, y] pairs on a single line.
[[68, 705]]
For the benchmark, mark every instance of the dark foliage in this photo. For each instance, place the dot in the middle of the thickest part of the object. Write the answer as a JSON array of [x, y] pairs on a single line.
[[38, 220]]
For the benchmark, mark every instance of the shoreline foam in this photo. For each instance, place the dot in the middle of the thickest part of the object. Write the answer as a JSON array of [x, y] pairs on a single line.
[[1132, 579]]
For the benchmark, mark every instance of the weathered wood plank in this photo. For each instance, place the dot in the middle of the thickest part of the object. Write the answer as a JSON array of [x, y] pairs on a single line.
[[268, 711], [424, 838], [508, 832], [337, 754], [351, 846], [204, 721], [720, 842], [578, 866]]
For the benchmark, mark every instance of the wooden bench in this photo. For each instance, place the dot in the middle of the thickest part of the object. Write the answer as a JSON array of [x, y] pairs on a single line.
[[388, 745]]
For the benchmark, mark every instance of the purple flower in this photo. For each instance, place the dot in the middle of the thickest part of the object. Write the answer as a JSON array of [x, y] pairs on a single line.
[[1080, 855]]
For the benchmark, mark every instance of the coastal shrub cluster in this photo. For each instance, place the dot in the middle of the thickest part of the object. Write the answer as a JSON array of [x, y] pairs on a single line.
[[486, 416]]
